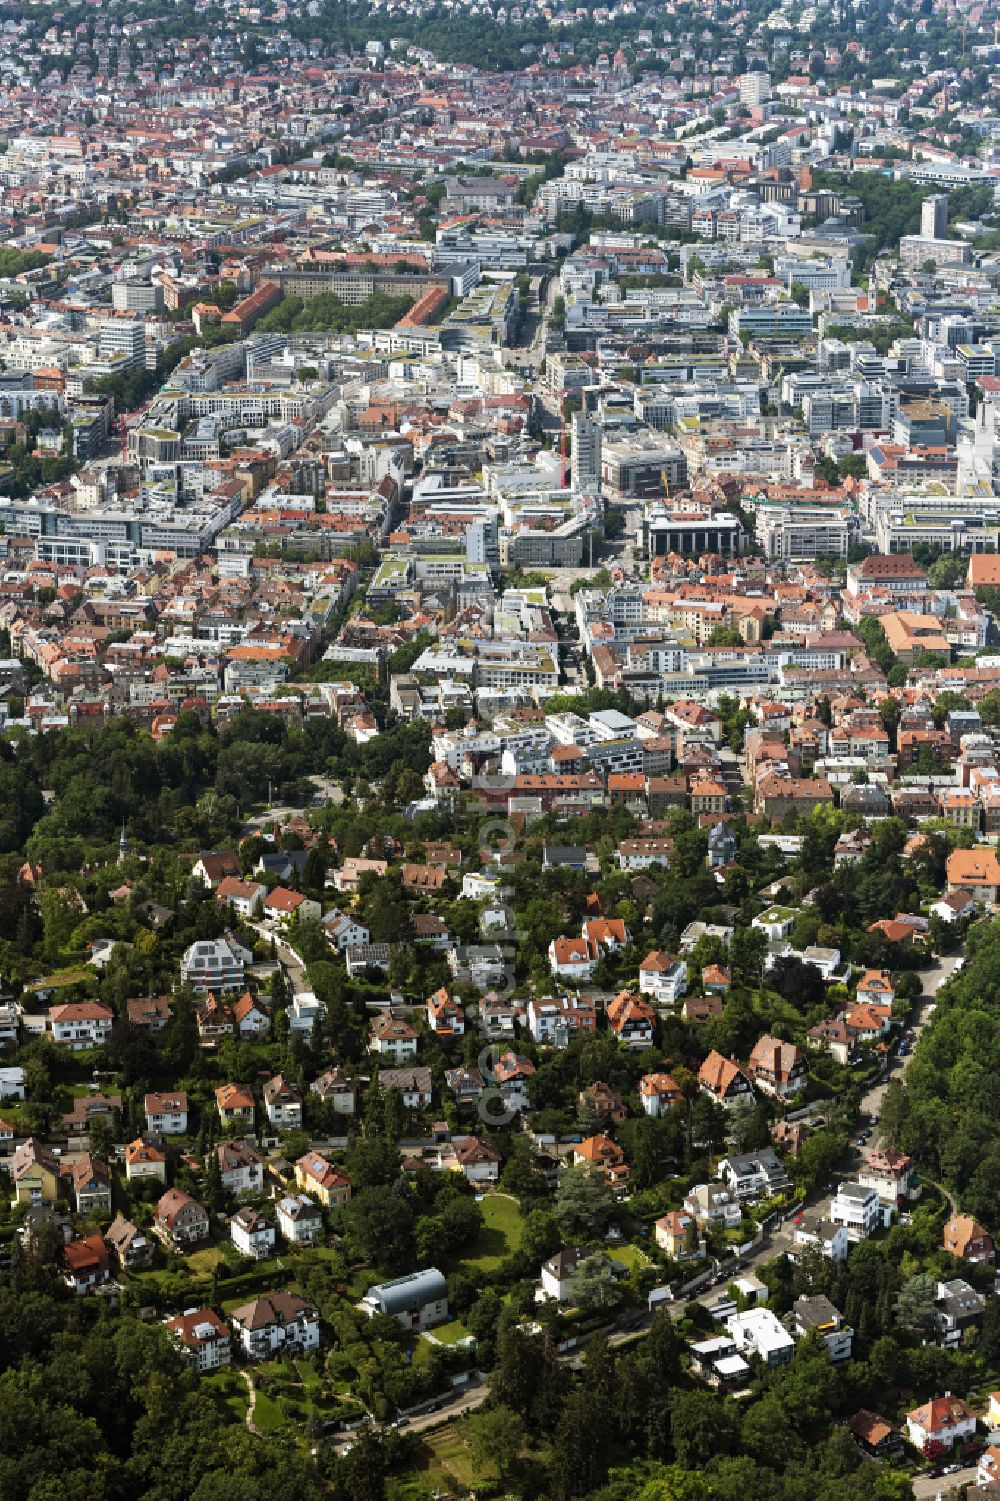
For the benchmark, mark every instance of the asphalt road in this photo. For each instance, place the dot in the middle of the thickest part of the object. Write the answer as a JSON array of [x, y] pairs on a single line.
[[941, 970], [927, 1489]]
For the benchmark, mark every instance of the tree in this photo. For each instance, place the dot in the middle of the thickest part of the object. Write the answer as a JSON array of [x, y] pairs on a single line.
[[380, 1225], [915, 1307], [594, 1284], [580, 1451], [314, 871], [892, 1115], [989, 1339], [497, 1435], [584, 1204], [701, 1427], [797, 981]]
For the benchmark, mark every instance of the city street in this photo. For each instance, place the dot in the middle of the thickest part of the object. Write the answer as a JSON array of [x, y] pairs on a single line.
[[933, 978], [928, 1488]]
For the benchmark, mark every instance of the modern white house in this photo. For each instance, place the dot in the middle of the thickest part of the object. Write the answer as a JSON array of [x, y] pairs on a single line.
[[819, 1314], [418, 1301], [760, 1332], [859, 1210], [215, 964]]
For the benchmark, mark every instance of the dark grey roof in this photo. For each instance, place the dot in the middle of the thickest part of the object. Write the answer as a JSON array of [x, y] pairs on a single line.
[[407, 1294]]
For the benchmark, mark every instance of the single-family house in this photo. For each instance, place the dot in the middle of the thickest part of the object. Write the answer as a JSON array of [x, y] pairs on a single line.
[[754, 1175], [167, 1114], [235, 1104], [944, 1421], [658, 1093], [280, 906], [445, 1016], [315, 1175], [91, 1183], [818, 1314], [960, 1310], [572, 959], [81, 1024], [664, 977], [283, 1104], [632, 1020], [859, 1210], [252, 1233], [241, 1167], [35, 1171], [338, 1089], [144, 1159], [344, 931], [476, 1159], [724, 1080], [415, 1085], [677, 1236], [760, 1332], [966, 1238], [393, 1038], [555, 1019], [251, 1017], [245, 897], [299, 1220], [777, 1068], [86, 1264], [607, 1156], [181, 1219], [131, 1248]]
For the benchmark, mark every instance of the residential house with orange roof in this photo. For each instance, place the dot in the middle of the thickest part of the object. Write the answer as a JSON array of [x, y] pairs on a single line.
[[658, 1093], [777, 1068], [632, 1020], [976, 870], [145, 1160], [445, 1016], [677, 1236], [235, 1104], [315, 1175], [966, 1238], [724, 1080], [607, 1156]]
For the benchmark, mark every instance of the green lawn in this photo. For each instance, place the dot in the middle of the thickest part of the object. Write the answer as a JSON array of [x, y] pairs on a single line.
[[230, 1390], [629, 1256], [77, 974], [499, 1237], [450, 1334], [267, 1415], [202, 1263]]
